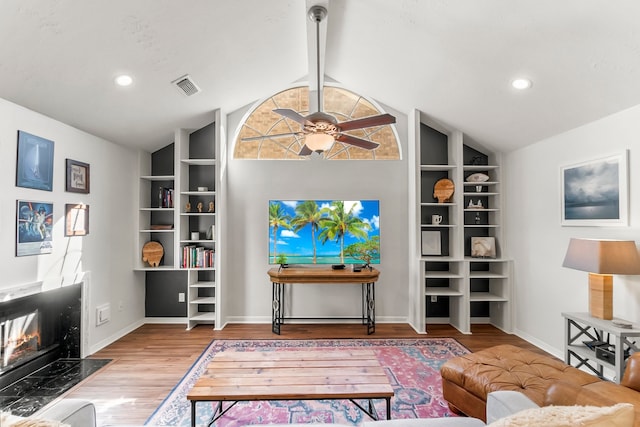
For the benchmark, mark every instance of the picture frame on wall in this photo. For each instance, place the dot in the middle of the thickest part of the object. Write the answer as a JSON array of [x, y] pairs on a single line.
[[78, 177], [431, 243], [34, 227], [595, 192], [34, 165], [76, 220]]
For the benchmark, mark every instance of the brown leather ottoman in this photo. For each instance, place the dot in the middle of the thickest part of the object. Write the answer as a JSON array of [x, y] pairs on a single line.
[[466, 380]]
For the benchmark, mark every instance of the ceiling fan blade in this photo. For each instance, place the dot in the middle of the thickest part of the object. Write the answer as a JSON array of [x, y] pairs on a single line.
[[275, 135], [358, 142], [365, 122], [305, 151], [293, 115]]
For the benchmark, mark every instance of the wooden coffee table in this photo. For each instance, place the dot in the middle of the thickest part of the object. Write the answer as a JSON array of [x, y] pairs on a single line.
[[236, 376]]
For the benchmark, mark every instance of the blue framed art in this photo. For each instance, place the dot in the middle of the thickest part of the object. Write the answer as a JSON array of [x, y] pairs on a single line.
[[34, 168]]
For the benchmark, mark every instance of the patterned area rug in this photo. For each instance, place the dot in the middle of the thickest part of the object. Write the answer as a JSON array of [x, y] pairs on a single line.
[[413, 368]]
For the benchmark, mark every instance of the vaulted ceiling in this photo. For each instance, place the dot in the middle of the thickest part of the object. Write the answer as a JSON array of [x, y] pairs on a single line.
[[453, 60]]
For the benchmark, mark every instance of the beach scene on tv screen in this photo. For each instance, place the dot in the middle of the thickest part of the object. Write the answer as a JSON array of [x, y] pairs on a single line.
[[324, 232]]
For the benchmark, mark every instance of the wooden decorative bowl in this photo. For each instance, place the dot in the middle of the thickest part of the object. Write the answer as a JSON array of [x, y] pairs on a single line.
[[443, 190]]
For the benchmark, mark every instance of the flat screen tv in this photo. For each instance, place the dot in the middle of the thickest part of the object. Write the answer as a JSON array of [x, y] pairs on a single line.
[[324, 232]]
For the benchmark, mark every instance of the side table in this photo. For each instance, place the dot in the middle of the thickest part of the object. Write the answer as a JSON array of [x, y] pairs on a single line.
[[581, 327]]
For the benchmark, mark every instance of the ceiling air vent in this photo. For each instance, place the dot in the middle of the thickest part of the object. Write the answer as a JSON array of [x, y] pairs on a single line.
[[186, 85]]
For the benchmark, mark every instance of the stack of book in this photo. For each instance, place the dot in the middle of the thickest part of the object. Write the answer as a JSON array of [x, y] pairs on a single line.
[[198, 257], [165, 198]]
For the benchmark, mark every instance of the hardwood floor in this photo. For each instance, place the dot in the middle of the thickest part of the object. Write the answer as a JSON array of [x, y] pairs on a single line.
[[148, 362]]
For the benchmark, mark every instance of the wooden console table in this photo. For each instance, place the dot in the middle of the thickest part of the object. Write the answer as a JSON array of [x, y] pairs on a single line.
[[281, 276]]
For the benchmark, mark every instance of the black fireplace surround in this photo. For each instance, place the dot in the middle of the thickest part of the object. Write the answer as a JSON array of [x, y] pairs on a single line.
[[52, 321]]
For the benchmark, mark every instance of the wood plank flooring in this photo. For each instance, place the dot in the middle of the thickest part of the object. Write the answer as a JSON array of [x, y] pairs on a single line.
[[148, 362]]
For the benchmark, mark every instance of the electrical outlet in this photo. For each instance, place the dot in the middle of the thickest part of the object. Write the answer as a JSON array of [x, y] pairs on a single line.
[[434, 298], [103, 314], [181, 297]]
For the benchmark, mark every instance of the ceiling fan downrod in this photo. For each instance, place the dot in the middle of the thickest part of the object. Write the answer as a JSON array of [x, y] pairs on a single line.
[[317, 14]]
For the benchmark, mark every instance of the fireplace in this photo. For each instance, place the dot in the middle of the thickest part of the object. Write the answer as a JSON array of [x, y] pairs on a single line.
[[38, 328]]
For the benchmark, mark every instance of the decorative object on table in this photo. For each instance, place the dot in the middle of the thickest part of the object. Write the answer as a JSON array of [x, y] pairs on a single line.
[[212, 207], [152, 253], [34, 226], [477, 205], [477, 218], [199, 206], [431, 243], [78, 177], [195, 235], [187, 207], [203, 189], [436, 219], [34, 168], [483, 247], [601, 259], [443, 190], [596, 192], [76, 220]]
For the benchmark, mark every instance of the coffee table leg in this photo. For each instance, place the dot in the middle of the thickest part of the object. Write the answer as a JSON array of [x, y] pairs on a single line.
[[193, 413], [388, 408]]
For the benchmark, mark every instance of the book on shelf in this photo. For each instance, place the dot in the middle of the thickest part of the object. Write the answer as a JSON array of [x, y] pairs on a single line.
[[197, 257], [165, 198]]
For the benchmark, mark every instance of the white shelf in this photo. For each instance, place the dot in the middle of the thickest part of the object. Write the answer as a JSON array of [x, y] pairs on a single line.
[[442, 292], [197, 213], [480, 194], [438, 204], [486, 275], [442, 275], [203, 300], [158, 177], [199, 162], [157, 209], [481, 225], [198, 193], [204, 317], [206, 285], [157, 231], [473, 184], [438, 225], [469, 168], [198, 241], [437, 168], [486, 296]]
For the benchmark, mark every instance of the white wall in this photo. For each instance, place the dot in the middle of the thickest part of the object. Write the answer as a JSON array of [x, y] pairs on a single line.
[[106, 255], [537, 242], [252, 183]]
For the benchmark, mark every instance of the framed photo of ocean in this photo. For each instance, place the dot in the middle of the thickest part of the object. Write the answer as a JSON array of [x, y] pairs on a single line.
[[595, 192]]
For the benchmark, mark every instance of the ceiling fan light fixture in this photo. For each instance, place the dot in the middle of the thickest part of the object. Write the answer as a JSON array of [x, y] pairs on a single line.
[[319, 141]]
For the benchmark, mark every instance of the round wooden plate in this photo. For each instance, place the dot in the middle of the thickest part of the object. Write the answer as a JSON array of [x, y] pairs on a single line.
[[443, 190], [152, 253]]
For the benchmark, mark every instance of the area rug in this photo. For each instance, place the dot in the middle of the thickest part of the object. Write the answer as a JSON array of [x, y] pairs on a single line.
[[412, 365]]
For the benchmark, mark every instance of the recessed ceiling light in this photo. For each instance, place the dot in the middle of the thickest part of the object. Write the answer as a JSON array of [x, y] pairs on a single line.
[[124, 80], [521, 83]]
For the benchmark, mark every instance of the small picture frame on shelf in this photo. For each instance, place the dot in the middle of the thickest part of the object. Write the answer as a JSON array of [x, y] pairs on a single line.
[[77, 177], [431, 243], [483, 247]]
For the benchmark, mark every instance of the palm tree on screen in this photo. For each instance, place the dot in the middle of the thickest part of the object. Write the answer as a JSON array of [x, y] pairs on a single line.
[[277, 218], [307, 213], [338, 223]]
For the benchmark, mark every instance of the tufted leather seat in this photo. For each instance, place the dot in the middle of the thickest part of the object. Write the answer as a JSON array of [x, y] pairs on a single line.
[[466, 380]]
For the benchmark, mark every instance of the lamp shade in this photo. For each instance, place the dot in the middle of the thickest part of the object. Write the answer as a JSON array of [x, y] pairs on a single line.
[[319, 141], [603, 256]]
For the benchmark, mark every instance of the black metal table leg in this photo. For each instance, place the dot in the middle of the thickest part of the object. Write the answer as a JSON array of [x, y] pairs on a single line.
[[277, 315], [193, 413], [371, 308]]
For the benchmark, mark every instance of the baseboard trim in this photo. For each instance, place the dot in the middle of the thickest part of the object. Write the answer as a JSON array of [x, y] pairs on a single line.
[[115, 337]]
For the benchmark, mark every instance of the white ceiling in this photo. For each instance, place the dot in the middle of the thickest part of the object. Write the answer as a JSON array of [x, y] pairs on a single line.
[[452, 59]]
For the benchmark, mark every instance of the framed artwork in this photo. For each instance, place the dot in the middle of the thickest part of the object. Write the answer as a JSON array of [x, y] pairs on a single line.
[[483, 247], [431, 243], [78, 177], [34, 168], [76, 220], [595, 192], [34, 225]]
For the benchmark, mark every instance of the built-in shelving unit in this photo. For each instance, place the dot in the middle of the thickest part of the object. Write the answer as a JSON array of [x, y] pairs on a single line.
[[452, 286], [190, 220]]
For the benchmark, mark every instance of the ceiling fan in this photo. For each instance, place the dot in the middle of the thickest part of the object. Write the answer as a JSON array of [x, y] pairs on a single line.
[[321, 130]]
